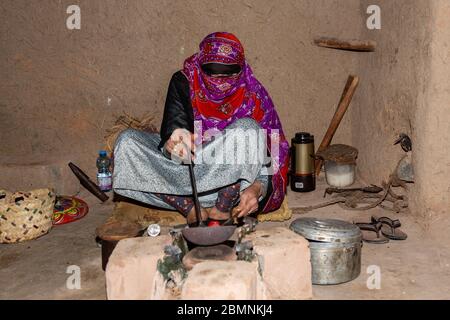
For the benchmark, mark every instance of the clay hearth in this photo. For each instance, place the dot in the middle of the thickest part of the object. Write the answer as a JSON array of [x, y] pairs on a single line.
[[214, 272]]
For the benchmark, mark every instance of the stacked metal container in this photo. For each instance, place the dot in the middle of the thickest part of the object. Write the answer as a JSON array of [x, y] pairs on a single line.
[[335, 247]]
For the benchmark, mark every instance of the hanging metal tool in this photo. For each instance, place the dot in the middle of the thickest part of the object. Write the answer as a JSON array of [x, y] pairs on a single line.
[[203, 235]]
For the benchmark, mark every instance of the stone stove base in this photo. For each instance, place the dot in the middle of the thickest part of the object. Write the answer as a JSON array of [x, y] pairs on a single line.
[[283, 271]]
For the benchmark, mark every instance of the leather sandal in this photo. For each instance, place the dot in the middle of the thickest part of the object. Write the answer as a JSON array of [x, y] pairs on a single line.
[[391, 228], [371, 232], [394, 223]]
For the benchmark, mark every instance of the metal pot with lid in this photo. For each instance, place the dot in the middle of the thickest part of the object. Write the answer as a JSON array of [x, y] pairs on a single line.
[[335, 247]]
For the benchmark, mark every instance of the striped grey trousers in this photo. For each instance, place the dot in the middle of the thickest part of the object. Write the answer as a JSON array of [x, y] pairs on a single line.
[[141, 169]]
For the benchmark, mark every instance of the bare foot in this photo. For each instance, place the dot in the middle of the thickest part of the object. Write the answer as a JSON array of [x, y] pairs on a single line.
[[192, 217], [215, 214]]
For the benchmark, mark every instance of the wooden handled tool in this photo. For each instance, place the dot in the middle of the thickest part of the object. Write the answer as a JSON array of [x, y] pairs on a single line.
[[346, 98], [87, 183], [203, 235]]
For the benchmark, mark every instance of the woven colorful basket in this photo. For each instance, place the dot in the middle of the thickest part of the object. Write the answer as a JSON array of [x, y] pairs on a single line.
[[25, 215]]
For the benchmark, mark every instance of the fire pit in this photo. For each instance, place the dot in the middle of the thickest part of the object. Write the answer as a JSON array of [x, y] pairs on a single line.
[[220, 252]]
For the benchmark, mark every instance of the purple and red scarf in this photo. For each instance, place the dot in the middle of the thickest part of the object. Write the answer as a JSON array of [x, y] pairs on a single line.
[[219, 101]]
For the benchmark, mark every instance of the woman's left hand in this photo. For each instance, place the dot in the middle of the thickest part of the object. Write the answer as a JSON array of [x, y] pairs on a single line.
[[249, 199]]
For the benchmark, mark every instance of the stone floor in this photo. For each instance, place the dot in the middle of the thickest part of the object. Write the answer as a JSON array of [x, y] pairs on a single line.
[[418, 268]]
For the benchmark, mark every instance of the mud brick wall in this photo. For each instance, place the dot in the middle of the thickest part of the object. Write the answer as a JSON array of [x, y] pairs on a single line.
[[405, 87], [60, 88]]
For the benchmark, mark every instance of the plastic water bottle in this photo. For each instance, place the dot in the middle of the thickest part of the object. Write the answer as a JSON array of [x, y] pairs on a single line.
[[104, 176]]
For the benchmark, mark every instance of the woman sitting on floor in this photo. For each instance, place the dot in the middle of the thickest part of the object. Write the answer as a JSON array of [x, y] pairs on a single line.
[[215, 110]]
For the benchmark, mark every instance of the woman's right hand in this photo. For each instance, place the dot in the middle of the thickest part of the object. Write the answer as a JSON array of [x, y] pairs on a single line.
[[181, 144]]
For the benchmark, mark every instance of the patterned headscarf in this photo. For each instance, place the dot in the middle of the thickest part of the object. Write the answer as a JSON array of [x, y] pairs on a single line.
[[219, 101]]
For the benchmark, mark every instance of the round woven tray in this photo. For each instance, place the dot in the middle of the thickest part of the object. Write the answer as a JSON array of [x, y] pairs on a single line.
[[25, 215]]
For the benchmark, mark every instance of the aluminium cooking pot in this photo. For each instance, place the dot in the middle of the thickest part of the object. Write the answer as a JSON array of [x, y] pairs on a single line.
[[335, 247]]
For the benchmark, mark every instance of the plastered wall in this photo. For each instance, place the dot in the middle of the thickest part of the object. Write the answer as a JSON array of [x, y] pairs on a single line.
[[60, 88], [405, 88], [431, 193]]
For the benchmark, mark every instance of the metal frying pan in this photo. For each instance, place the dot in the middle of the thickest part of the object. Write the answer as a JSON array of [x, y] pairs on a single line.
[[203, 235]]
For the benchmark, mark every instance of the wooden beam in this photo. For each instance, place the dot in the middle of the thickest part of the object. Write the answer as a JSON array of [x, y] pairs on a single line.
[[349, 45]]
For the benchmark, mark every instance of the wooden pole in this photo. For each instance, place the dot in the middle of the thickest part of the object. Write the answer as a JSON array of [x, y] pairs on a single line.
[[350, 45], [346, 98]]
